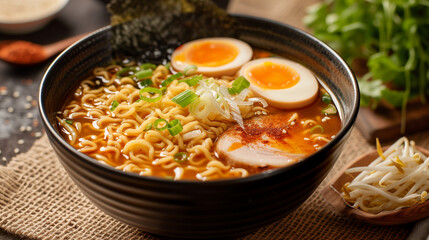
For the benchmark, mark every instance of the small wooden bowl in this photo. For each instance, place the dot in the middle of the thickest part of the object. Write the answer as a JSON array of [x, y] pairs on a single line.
[[331, 193]]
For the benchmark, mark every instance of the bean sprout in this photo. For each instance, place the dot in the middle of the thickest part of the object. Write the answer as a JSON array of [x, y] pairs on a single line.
[[398, 178]]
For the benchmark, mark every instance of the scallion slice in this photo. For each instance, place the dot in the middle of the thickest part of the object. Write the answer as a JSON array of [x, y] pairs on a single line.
[[125, 72], [238, 85], [114, 105], [142, 74], [181, 157], [145, 83], [148, 127], [153, 90], [159, 121], [148, 66], [317, 128], [168, 65], [326, 98], [192, 80], [69, 121], [171, 78], [185, 98], [174, 127], [201, 107], [163, 90], [190, 69], [330, 109]]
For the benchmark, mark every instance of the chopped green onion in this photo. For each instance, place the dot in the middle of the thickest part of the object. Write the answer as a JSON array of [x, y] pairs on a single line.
[[171, 78], [194, 80], [145, 83], [330, 109], [150, 90], [163, 90], [185, 98], [148, 127], [125, 72], [174, 127], [201, 107], [143, 74], [239, 85], [69, 121], [326, 98], [181, 157], [148, 66], [168, 65], [317, 128], [158, 122], [190, 69], [114, 105]]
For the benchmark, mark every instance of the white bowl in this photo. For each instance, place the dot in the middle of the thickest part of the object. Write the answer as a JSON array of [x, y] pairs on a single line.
[[33, 23]]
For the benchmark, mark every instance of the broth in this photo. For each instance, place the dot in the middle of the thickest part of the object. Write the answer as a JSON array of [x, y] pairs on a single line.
[[107, 119]]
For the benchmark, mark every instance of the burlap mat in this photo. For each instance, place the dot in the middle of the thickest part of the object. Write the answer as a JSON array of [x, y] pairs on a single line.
[[39, 200]]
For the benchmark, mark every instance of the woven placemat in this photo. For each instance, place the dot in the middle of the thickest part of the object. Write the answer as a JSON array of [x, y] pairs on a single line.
[[39, 200]]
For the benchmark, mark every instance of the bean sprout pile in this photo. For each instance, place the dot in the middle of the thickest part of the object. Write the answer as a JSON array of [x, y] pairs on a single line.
[[398, 178]]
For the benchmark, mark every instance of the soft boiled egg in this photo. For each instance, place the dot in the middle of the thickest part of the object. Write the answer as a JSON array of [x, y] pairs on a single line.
[[282, 83], [213, 56]]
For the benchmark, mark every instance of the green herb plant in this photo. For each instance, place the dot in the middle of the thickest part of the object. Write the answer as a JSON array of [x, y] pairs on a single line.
[[391, 35]]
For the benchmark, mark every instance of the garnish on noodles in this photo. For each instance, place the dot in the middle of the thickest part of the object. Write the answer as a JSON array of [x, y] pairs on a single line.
[[398, 178], [155, 120]]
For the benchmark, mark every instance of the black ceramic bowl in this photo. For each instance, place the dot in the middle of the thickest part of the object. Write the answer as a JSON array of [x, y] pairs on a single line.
[[191, 209]]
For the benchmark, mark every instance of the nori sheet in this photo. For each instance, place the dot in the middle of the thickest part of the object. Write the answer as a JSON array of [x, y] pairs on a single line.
[[150, 30]]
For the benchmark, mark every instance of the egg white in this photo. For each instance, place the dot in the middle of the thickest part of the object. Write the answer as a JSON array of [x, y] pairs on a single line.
[[245, 53], [300, 95]]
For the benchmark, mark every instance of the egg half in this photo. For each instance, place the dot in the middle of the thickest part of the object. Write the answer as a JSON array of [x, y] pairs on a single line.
[[281, 82], [213, 56]]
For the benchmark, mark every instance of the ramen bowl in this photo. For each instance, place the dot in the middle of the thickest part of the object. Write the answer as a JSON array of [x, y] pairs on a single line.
[[197, 209]]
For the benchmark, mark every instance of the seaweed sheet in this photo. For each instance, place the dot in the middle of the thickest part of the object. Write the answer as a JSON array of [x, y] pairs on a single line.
[[149, 30]]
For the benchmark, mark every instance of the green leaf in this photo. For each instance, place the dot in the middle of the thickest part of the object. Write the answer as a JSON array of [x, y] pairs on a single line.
[[384, 67], [372, 88], [393, 97], [392, 35]]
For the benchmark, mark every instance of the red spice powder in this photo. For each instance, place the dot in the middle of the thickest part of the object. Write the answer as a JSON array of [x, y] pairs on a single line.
[[272, 125], [22, 52]]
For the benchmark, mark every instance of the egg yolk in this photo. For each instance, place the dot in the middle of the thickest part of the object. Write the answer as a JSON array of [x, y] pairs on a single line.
[[273, 76], [209, 54]]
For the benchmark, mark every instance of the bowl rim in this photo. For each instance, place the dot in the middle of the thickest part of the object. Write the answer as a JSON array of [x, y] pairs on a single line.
[[61, 6], [347, 125]]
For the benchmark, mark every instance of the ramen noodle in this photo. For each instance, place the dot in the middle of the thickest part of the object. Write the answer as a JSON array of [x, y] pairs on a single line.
[[152, 121]]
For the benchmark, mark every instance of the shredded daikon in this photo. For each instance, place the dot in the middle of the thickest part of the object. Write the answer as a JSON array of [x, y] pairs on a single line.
[[397, 178]]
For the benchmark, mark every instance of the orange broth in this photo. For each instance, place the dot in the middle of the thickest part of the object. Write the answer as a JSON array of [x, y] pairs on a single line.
[[297, 132]]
